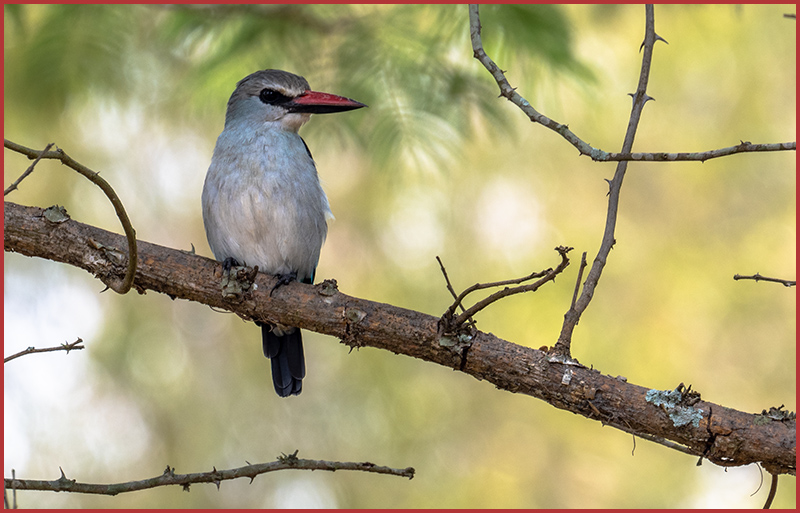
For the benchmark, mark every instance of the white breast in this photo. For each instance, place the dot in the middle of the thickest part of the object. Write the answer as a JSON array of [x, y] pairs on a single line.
[[262, 201]]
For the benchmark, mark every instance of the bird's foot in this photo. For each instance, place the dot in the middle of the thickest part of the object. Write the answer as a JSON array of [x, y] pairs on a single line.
[[236, 279], [228, 263], [284, 279]]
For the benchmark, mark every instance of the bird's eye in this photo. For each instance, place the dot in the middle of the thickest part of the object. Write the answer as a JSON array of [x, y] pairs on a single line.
[[272, 97]]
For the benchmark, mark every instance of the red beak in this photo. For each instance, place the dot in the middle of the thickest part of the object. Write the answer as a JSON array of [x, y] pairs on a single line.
[[314, 102]]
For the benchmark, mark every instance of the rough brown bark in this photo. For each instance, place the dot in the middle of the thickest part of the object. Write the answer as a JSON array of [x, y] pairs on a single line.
[[722, 435]]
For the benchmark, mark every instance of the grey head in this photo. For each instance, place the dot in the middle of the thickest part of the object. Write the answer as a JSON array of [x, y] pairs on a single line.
[[273, 95]]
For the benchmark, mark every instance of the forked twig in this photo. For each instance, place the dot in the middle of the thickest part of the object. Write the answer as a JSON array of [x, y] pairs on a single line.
[[452, 291], [640, 98], [452, 323], [596, 154]]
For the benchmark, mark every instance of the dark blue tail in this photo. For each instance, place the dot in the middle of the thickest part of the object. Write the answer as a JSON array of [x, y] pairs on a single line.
[[285, 350], [286, 355]]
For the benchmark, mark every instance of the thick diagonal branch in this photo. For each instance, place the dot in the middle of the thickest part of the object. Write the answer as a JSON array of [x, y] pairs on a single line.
[[742, 438]]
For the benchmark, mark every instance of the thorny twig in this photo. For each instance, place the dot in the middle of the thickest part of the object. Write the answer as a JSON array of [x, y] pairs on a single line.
[[699, 156], [95, 178], [596, 154], [67, 346], [758, 277], [169, 477], [640, 98]]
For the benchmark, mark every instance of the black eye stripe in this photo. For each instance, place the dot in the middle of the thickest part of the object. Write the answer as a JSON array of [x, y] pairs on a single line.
[[273, 97]]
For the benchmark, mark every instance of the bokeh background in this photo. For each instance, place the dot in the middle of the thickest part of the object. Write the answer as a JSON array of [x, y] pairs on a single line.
[[437, 165]]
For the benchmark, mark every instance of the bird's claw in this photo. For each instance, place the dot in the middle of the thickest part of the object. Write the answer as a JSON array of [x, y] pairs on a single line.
[[284, 279], [228, 263]]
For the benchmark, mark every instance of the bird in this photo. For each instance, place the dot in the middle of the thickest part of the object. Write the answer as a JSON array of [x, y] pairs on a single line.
[[262, 201]]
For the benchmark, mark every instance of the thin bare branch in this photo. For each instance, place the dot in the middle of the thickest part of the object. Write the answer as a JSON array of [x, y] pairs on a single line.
[[758, 277], [640, 98], [67, 346], [169, 477], [481, 286], [446, 278], [95, 178], [596, 154], [28, 171], [743, 147], [545, 276]]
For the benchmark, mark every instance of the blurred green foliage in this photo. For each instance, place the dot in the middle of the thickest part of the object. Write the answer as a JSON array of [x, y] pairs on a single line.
[[438, 165], [366, 50]]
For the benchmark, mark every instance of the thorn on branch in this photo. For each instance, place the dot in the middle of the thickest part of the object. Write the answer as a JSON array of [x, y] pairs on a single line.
[[291, 459], [757, 277], [63, 481], [68, 346]]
